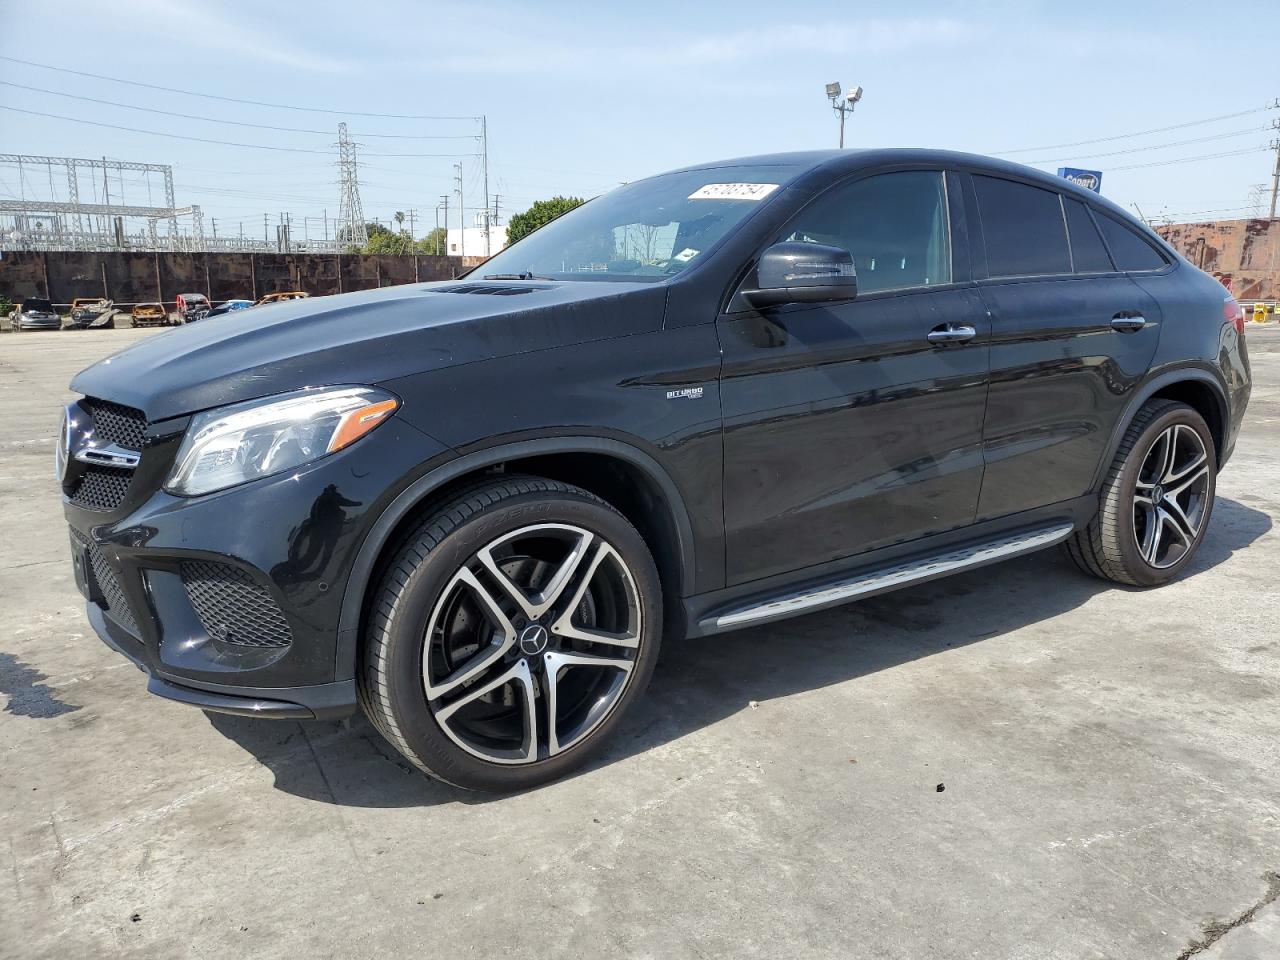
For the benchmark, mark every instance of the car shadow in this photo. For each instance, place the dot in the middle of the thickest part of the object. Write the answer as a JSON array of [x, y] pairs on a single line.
[[699, 682]]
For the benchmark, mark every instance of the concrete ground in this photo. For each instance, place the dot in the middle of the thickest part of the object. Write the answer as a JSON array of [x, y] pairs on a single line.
[[1110, 758]]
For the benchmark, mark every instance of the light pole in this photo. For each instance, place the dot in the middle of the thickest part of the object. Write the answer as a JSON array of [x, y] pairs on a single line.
[[843, 105]]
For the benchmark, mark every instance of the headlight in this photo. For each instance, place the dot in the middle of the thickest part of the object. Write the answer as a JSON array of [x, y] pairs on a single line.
[[246, 441]]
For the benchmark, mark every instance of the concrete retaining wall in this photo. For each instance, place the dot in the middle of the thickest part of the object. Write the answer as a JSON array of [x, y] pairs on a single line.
[[1243, 254], [129, 278]]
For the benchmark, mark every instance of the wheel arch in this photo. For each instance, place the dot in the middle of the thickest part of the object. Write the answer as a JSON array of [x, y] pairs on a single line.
[[1195, 386], [618, 472]]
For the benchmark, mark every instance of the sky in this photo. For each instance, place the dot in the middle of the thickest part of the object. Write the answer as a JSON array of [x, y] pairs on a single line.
[[580, 97]]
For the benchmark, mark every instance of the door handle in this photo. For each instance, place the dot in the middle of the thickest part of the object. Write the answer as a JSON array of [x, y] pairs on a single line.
[[951, 333], [1128, 322]]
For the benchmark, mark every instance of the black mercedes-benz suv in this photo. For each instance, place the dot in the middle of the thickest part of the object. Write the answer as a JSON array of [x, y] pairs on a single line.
[[707, 400]]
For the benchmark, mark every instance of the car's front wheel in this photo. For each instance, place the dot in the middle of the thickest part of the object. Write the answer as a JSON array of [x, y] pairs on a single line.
[[1156, 499], [511, 632]]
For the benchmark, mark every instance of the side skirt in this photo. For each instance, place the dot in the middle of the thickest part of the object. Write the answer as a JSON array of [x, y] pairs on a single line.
[[858, 577]]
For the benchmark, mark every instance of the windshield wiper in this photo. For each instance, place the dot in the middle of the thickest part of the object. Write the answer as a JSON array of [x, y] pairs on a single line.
[[527, 275]]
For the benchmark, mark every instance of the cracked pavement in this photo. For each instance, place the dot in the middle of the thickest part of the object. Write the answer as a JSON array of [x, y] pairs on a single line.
[[1110, 759]]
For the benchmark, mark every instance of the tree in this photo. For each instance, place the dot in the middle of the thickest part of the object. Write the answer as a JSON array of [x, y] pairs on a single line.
[[538, 215], [435, 242], [382, 240]]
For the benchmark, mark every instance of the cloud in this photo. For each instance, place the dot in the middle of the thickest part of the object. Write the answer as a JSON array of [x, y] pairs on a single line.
[[505, 52], [202, 27]]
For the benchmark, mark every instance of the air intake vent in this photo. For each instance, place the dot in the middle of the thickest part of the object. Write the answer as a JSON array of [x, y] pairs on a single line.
[[101, 488], [114, 602], [233, 607], [490, 289]]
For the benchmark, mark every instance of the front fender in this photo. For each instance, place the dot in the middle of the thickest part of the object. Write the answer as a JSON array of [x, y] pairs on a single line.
[[382, 529]]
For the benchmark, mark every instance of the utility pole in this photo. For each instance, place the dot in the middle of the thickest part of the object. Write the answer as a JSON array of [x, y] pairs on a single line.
[[1275, 176], [484, 144], [445, 199], [413, 214], [462, 211]]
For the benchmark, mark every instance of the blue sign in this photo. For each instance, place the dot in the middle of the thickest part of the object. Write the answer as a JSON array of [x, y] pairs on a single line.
[[1089, 179]]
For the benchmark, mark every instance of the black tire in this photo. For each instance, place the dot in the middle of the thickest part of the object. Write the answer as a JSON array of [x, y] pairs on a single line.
[[1111, 546], [416, 584]]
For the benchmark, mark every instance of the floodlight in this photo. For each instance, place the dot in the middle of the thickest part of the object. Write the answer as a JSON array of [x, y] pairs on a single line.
[[833, 90]]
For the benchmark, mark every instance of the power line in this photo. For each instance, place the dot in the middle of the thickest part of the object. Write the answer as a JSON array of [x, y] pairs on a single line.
[[1203, 156], [1138, 133], [238, 123], [252, 103], [1154, 146], [224, 143]]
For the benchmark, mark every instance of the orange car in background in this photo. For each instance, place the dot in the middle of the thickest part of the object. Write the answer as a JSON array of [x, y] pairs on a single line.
[[281, 297], [149, 315]]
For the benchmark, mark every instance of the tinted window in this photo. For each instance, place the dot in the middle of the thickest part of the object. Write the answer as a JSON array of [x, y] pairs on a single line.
[[1087, 251], [895, 225], [1129, 249], [1023, 228]]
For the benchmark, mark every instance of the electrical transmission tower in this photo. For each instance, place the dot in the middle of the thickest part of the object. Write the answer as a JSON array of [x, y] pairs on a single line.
[[1256, 193], [350, 228]]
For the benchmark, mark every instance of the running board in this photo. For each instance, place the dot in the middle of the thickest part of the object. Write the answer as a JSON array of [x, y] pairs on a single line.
[[889, 578]]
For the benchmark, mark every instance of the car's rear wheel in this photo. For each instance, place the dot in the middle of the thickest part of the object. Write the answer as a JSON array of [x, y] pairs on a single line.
[[510, 633], [1156, 500]]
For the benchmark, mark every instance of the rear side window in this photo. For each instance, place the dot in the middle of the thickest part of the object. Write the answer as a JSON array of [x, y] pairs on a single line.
[[1130, 249], [1024, 230], [894, 225], [1087, 250]]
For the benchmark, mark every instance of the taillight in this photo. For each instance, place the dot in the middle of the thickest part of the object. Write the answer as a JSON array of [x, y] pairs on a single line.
[[1233, 313]]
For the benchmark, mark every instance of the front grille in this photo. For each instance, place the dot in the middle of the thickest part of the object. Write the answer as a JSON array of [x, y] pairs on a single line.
[[113, 597], [232, 606], [116, 423], [101, 488]]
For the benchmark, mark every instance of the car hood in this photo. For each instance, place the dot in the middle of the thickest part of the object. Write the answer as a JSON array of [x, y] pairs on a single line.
[[366, 337]]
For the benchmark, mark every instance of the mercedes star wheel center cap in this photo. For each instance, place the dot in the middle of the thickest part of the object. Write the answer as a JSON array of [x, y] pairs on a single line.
[[533, 639]]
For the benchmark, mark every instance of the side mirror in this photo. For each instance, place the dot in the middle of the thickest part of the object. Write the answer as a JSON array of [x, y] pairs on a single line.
[[796, 272]]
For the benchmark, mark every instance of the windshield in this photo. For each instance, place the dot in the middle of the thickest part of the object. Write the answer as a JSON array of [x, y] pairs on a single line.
[[32, 304], [646, 230]]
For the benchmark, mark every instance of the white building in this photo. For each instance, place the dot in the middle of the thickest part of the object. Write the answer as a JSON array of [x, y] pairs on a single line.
[[470, 241]]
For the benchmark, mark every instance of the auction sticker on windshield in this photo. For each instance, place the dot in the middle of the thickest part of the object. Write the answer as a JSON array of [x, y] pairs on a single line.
[[733, 191]]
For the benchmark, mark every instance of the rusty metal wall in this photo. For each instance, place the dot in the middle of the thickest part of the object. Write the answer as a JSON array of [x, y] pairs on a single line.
[[129, 278], [1243, 254]]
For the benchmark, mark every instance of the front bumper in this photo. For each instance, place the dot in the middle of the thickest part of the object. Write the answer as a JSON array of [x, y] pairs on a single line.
[[318, 702], [231, 601]]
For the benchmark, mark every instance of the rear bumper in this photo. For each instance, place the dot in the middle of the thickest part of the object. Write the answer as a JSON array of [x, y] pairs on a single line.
[[323, 701]]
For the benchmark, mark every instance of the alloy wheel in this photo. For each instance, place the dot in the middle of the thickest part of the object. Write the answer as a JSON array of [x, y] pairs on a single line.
[[531, 643], [1170, 500]]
